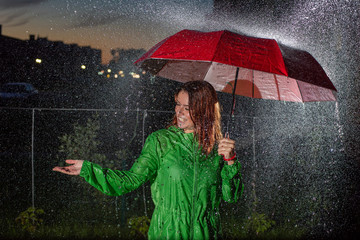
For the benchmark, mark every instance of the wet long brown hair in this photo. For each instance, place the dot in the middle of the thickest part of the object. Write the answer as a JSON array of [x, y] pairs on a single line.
[[204, 112]]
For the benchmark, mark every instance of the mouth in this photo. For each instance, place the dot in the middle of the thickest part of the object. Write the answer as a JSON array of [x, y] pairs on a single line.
[[181, 120]]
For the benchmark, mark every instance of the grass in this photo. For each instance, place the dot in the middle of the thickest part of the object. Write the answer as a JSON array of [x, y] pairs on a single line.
[[66, 227], [68, 231]]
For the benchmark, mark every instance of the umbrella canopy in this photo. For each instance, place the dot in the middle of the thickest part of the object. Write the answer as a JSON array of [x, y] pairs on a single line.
[[256, 67]]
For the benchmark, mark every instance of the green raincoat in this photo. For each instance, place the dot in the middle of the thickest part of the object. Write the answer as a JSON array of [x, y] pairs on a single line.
[[186, 185]]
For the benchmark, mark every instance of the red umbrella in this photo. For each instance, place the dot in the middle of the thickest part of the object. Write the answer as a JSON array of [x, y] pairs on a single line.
[[265, 69], [242, 65]]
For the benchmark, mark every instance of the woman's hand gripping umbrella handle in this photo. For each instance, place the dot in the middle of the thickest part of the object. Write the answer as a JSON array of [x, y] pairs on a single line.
[[226, 148]]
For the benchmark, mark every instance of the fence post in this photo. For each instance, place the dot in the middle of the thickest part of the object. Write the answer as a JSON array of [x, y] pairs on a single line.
[[32, 159]]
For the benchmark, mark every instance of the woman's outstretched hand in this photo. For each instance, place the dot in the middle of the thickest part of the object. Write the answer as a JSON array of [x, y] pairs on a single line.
[[226, 148], [73, 169]]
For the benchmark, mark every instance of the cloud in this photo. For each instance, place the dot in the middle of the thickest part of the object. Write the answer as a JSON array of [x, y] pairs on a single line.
[[93, 18], [15, 17], [98, 13], [20, 22], [14, 13], [8, 18], [6, 4]]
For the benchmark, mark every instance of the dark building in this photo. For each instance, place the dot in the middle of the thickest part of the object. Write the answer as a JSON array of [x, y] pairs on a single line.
[[46, 64]]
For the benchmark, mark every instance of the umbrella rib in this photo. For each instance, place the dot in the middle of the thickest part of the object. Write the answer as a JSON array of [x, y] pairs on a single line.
[[297, 83], [207, 70], [166, 62], [277, 86], [217, 46], [253, 84]]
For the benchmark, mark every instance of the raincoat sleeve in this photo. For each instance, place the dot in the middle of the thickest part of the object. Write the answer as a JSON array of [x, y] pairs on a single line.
[[232, 185], [116, 182]]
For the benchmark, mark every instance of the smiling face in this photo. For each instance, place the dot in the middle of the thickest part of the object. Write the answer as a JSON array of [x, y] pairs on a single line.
[[182, 112]]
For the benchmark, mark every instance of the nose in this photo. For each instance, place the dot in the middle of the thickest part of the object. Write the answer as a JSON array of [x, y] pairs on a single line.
[[179, 109]]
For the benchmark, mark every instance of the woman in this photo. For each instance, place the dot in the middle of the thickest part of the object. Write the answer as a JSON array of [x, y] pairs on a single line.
[[190, 167]]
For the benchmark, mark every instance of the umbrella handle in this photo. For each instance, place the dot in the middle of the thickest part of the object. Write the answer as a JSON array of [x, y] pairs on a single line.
[[233, 101]]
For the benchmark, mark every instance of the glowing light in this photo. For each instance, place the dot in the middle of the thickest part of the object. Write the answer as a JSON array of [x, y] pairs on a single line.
[[108, 75], [109, 70], [83, 67], [116, 76], [135, 75], [38, 60], [143, 72], [121, 72]]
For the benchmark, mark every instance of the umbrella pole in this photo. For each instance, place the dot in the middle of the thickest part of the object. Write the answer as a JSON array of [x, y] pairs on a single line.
[[233, 102]]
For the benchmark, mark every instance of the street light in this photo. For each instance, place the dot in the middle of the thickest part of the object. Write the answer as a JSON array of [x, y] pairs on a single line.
[[83, 67], [38, 60]]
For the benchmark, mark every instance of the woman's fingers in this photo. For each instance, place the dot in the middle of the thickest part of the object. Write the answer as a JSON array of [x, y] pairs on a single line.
[[60, 169], [56, 169], [226, 147], [70, 161], [73, 169], [67, 170], [226, 143]]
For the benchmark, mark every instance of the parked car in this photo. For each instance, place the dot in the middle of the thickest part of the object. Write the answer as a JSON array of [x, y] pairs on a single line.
[[17, 91]]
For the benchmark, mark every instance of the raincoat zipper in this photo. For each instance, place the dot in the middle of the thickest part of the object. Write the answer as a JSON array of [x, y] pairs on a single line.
[[196, 161]]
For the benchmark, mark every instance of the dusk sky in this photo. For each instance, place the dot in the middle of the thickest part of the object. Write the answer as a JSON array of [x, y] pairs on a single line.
[[102, 24], [317, 26]]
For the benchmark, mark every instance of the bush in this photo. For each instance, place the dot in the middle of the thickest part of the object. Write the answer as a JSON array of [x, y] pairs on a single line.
[[30, 219], [139, 226], [258, 224]]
